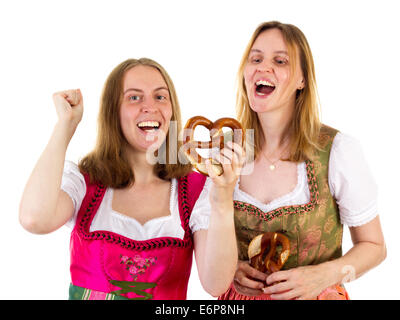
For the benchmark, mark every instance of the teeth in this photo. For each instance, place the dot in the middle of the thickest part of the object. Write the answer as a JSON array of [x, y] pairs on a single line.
[[264, 83], [154, 124]]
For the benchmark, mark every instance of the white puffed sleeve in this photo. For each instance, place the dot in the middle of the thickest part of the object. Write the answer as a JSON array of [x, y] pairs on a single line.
[[200, 217], [73, 183], [351, 182]]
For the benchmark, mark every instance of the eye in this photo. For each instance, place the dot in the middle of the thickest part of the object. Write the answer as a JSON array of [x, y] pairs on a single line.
[[161, 97], [133, 98], [281, 61], [255, 59]]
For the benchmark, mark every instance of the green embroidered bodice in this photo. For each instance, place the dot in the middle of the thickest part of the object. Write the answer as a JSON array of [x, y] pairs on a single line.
[[314, 229]]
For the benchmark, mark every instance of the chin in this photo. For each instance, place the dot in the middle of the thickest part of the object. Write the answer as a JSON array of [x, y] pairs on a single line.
[[260, 108], [149, 147], [146, 142]]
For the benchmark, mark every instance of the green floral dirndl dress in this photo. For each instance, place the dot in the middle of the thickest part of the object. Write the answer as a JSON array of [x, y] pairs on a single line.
[[313, 229]]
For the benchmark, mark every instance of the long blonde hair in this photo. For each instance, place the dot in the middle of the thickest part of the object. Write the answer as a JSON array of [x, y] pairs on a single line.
[[106, 163], [306, 124]]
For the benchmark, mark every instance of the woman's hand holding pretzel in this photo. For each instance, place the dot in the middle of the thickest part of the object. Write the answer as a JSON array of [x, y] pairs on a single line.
[[302, 283], [248, 280], [224, 167]]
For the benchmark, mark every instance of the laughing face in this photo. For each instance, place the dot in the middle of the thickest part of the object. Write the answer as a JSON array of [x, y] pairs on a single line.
[[146, 107], [267, 73]]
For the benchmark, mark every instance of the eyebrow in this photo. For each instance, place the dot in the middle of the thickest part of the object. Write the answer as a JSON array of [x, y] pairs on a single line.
[[260, 51], [139, 90]]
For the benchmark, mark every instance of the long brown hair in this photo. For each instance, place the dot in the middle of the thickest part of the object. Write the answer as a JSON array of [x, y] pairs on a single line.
[[306, 124], [106, 163]]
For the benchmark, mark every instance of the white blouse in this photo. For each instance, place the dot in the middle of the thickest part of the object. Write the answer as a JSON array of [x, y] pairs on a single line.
[[73, 183]]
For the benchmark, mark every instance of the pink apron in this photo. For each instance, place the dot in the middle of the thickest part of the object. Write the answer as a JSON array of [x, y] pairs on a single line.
[[104, 262]]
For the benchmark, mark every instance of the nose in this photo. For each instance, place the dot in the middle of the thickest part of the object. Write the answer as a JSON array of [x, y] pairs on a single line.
[[148, 106], [265, 66], [148, 109]]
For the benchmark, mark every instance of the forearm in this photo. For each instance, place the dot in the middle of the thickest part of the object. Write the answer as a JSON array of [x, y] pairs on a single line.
[[362, 257], [39, 199], [220, 261], [220, 254]]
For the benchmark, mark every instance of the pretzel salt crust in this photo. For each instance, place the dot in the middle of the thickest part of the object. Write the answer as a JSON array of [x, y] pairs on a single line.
[[216, 140], [268, 242]]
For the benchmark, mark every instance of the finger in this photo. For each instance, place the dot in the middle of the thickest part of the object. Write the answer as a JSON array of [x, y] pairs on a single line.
[[277, 276], [288, 295], [79, 96], [230, 155], [237, 149], [60, 100], [250, 283], [211, 172], [226, 166], [238, 158], [252, 272], [73, 96], [246, 291], [279, 287], [224, 156], [236, 164]]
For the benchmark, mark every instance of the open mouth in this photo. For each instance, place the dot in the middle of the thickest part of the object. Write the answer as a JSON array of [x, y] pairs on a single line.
[[149, 126], [264, 87]]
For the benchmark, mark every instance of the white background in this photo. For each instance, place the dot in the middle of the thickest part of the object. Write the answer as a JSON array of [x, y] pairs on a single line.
[[47, 46]]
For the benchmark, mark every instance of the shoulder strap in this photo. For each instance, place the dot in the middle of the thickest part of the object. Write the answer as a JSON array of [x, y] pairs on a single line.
[[326, 137], [189, 189], [93, 197], [195, 184]]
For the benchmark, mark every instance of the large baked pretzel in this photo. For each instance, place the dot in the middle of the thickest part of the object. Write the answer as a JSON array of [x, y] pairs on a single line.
[[216, 140], [268, 242]]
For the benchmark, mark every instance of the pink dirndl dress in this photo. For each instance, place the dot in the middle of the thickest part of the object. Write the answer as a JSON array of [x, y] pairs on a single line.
[[106, 265]]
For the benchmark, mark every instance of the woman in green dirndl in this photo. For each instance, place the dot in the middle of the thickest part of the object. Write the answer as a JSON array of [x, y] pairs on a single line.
[[306, 181]]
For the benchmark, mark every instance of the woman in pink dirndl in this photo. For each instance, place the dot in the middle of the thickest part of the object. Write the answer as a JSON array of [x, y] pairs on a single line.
[[135, 219]]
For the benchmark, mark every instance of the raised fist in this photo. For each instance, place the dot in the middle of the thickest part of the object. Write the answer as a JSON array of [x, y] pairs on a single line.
[[69, 106]]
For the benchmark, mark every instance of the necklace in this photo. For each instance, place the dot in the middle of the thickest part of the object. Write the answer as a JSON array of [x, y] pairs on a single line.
[[272, 165]]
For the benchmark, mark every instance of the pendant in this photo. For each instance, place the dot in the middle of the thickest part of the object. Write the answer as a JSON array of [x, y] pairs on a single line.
[[272, 167]]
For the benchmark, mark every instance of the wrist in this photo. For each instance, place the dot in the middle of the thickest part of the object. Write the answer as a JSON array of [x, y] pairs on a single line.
[[222, 209], [221, 194], [63, 132], [332, 272], [221, 201]]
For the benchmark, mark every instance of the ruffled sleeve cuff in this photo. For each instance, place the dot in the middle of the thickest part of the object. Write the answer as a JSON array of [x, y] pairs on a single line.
[[73, 183], [356, 219], [200, 217], [351, 182]]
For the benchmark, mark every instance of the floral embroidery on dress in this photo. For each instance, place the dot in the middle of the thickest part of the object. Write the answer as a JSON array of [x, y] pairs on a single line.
[[137, 265]]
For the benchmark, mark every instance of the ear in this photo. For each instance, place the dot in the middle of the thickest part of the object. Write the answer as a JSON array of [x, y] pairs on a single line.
[[301, 85]]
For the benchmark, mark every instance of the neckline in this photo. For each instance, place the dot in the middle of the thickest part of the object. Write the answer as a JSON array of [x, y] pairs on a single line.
[[291, 209], [145, 225], [94, 196], [301, 170]]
